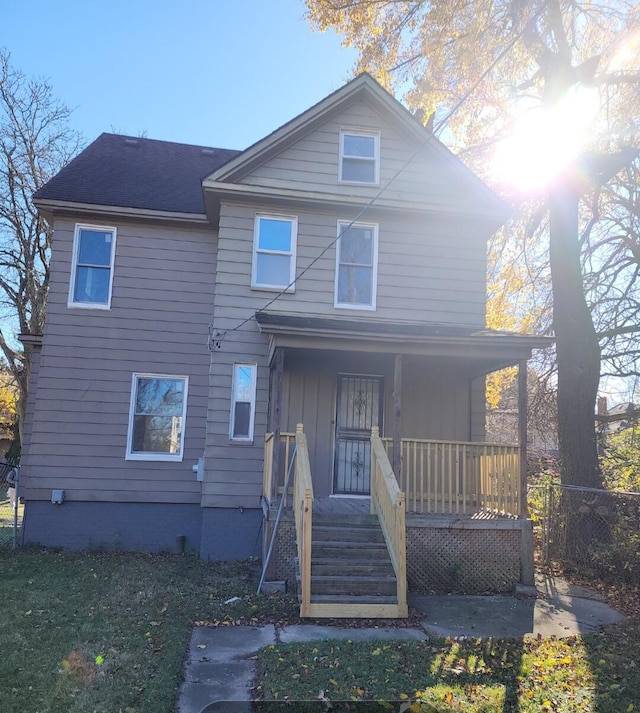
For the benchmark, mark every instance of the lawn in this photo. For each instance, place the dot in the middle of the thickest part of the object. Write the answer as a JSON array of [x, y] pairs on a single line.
[[107, 633], [583, 674]]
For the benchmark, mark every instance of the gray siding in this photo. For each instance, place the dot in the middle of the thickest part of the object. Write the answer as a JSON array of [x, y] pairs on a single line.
[[158, 321], [415, 171], [429, 269]]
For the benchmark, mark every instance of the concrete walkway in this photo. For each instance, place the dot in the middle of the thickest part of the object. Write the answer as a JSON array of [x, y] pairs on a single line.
[[220, 665]]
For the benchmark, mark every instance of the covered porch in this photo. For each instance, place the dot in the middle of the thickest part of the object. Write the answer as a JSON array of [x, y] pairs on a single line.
[[406, 401]]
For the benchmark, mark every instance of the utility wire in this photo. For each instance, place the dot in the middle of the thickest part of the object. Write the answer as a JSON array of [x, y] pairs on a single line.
[[219, 336]]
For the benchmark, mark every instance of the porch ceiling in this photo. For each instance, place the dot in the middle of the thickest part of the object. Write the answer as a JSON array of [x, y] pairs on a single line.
[[478, 350]]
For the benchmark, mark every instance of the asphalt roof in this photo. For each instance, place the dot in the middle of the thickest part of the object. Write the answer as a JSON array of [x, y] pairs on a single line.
[[134, 172]]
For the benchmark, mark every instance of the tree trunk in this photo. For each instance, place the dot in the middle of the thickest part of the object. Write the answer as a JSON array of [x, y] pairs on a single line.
[[578, 358], [578, 351]]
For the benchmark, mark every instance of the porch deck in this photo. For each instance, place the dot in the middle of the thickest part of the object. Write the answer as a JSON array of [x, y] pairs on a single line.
[[362, 506]]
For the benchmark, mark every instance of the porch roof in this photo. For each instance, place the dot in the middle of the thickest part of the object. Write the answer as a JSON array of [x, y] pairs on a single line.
[[490, 350]]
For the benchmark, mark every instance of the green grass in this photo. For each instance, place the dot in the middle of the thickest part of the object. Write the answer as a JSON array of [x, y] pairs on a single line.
[[107, 633], [596, 673], [91, 633]]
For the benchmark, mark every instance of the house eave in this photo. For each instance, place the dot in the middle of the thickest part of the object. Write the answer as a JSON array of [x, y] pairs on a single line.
[[49, 207], [489, 350], [217, 190]]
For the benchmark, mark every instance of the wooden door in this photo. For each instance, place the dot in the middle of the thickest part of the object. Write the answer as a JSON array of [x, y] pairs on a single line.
[[359, 408]]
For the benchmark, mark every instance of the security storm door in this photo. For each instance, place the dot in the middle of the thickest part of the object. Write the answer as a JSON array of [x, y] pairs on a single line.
[[359, 408]]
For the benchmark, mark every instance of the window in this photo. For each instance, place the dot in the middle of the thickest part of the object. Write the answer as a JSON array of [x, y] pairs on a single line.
[[356, 265], [157, 417], [274, 251], [92, 267], [359, 157], [243, 402]]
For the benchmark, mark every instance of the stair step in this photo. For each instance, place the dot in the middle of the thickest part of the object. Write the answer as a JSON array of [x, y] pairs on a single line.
[[350, 585], [329, 566], [341, 520], [353, 599], [344, 533], [363, 551]]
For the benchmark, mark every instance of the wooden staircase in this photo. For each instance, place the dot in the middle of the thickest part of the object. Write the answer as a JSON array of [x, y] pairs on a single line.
[[352, 574]]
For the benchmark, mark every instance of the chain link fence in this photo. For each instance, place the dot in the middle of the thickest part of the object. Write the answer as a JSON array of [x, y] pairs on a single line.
[[590, 531], [10, 506]]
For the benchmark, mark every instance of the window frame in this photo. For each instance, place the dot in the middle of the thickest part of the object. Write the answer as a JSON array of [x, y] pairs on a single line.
[[71, 302], [291, 254], [154, 455], [375, 135], [235, 401], [342, 224]]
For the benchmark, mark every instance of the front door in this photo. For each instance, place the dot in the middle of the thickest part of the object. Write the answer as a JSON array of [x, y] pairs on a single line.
[[359, 408]]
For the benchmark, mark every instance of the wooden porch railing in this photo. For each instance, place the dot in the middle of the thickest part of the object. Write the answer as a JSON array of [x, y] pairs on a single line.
[[272, 486], [303, 509], [458, 478], [388, 502]]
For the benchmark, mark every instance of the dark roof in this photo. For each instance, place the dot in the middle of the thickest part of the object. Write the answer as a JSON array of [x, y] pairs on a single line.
[[133, 172], [378, 327]]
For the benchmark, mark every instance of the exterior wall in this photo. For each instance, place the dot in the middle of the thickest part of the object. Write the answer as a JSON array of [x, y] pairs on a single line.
[[145, 527], [430, 269], [428, 176], [442, 272], [231, 533], [161, 306]]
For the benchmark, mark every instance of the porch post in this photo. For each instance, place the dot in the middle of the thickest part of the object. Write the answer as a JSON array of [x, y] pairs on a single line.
[[397, 412], [522, 435], [276, 404]]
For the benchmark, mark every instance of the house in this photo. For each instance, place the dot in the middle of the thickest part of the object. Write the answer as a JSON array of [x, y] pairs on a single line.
[[311, 307]]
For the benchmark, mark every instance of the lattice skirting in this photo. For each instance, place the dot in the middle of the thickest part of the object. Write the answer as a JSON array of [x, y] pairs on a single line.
[[284, 555], [455, 560], [439, 560]]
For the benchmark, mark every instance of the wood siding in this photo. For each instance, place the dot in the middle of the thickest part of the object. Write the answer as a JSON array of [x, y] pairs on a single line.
[[415, 171], [161, 307], [431, 268]]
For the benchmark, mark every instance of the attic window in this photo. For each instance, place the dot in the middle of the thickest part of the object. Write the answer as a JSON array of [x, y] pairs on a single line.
[[359, 157]]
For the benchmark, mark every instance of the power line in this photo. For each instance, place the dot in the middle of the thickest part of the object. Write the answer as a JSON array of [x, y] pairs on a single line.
[[218, 337]]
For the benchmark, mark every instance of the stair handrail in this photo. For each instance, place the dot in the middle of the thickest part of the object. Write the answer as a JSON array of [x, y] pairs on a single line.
[[303, 510], [389, 504]]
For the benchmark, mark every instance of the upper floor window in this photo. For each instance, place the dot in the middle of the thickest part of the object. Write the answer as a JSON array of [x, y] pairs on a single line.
[[359, 157], [356, 265], [243, 402], [274, 252], [157, 417], [94, 249]]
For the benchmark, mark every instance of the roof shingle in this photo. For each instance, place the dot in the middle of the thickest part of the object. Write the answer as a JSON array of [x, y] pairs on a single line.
[[134, 172]]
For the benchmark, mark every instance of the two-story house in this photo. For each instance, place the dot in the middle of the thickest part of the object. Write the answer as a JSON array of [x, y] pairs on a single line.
[[310, 311]]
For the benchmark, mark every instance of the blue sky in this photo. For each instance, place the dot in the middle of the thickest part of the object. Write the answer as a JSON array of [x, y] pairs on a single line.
[[213, 72]]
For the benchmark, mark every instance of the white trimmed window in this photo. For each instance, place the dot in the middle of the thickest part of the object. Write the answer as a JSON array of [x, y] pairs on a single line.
[[274, 252], [243, 402], [356, 265], [94, 249], [157, 417], [359, 157]]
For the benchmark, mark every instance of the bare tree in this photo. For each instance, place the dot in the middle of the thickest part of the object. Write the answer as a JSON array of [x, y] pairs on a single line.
[[35, 142]]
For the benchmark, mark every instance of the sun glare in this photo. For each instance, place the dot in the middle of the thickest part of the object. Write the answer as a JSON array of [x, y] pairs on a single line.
[[545, 141]]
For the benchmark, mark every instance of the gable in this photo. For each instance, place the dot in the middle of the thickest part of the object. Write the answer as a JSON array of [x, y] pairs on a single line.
[[301, 160]]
